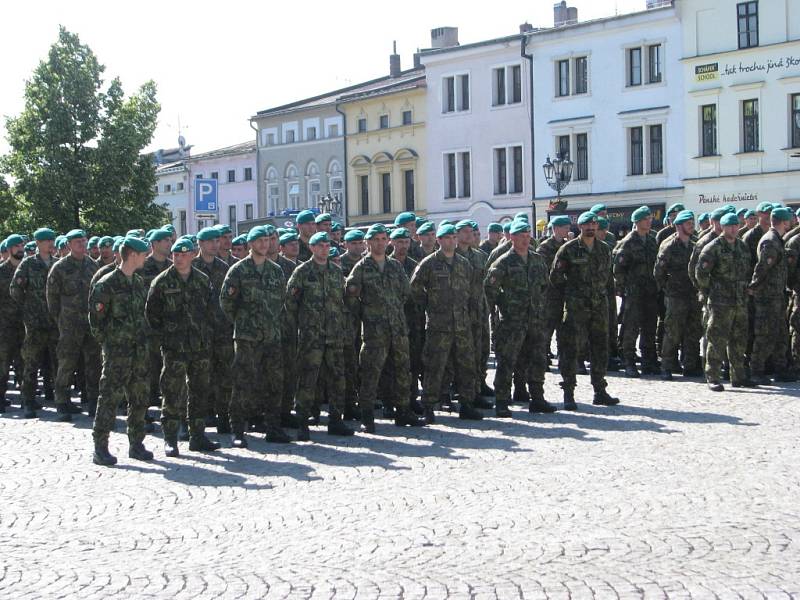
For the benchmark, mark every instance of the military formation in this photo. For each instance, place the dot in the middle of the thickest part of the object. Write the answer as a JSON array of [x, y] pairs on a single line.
[[256, 333]]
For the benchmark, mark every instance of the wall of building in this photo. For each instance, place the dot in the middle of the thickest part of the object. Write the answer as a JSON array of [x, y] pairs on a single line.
[[172, 183], [236, 195]]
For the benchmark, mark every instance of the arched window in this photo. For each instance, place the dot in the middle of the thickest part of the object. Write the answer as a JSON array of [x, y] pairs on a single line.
[[336, 181], [292, 187], [312, 185], [274, 204]]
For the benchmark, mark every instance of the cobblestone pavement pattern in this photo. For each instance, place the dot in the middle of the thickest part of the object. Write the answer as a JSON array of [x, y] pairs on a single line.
[[677, 492]]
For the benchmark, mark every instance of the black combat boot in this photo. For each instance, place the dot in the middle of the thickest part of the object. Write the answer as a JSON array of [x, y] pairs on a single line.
[[430, 415], [223, 424], [238, 439], [407, 417], [101, 454], [183, 434], [198, 442], [716, 386], [666, 375], [631, 370], [63, 414], [139, 452], [501, 410], [569, 397], [603, 398], [170, 428], [467, 412], [538, 404], [276, 435], [336, 426], [289, 421]]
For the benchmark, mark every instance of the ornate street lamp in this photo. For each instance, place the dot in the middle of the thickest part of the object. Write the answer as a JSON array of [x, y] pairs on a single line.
[[558, 173], [329, 204]]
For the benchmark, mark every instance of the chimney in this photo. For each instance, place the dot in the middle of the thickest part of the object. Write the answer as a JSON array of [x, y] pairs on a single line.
[[525, 27], [444, 37], [394, 62], [564, 15], [417, 61]]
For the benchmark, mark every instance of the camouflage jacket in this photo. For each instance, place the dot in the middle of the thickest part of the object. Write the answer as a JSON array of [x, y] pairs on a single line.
[[287, 264], [518, 288], [117, 310], [751, 239], [102, 272], [252, 299], [305, 251], [723, 272], [216, 270], [153, 268], [772, 269], [348, 262], [672, 267], [68, 286], [378, 297], [415, 251], [181, 313], [792, 248], [548, 250], [28, 289], [10, 310], [478, 260], [487, 247], [444, 291], [701, 243], [415, 317], [582, 272], [634, 262], [664, 233], [503, 247], [315, 303]]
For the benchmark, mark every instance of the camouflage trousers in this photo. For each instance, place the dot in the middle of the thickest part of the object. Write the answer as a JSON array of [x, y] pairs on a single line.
[[289, 361], [553, 314], [416, 345], [682, 330], [154, 369], [38, 347], [794, 324], [726, 335], [257, 383], [73, 345], [222, 356], [377, 352], [584, 326], [613, 326], [483, 352], [182, 370], [123, 377], [440, 346], [639, 319], [315, 362], [771, 334], [352, 344], [11, 338], [523, 347]]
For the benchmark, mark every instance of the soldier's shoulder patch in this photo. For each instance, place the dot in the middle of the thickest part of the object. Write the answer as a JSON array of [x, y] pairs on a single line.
[[560, 264], [704, 264], [99, 307], [232, 291], [770, 260], [20, 280], [296, 291]]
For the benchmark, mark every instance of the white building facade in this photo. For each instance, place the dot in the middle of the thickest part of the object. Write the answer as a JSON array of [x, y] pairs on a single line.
[[741, 72], [172, 191]]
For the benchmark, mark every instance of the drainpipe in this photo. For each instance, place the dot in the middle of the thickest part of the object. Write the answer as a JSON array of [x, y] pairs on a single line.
[[529, 57], [344, 166], [258, 174]]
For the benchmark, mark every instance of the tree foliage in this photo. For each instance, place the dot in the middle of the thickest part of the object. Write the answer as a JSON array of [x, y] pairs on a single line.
[[76, 149]]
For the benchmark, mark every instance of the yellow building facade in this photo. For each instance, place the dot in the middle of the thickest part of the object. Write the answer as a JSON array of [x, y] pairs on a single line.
[[385, 146]]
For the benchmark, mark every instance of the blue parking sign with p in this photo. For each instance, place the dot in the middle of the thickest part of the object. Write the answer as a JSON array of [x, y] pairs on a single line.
[[205, 196]]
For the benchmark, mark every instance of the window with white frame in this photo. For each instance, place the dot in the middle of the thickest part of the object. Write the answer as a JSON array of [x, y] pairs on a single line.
[[575, 147], [313, 187], [362, 124], [457, 167], [581, 74], [232, 216], [292, 188], [644, 65], [231, 175], [167, 188], [363, 194], [455, 93], [406, 117], [311, 133], [274, 205], [750, 135], [182, 222], [708, 130], [508, 170], [179, 186], [383, 122], [636, 150], [794, 120], [646, 149], [248, 173], [336, 182], [248, 212], [562, 78], [572, 76], [333, 130], [506, 85]]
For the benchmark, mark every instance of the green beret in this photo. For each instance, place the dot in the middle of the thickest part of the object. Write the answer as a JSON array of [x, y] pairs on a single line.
[[256, 232], [749, 213], [519, 226], [134, 233], [354, 235], [741, 212], [718, 213], [507, 226], [287, 238], [463, 223], [561, 220], [159, 234], [730, 208], [13, 240], [587, 217], [223, 229], [703, 218], [445, 229], [193, 239], [40, 235], [169, 227], [729, 219], [598, 208], [405, 217], [304, 216], [239, 240], [30, 246], [148, 234], [401, 233], [640, 213], [324, 217], [333, 252], [683, 216], [797, 212], [117, 243], [74, 234], [521, 215], [426, 227], [61, 242], [104, 241], [206, 234], [677, 207], [319, 238], [337, 226], [3, 246], [602, 223], [182, 246], [781, 214], [420, 221], [136, 244], [92, 241], [764, 207], [374, 230], [474, 224], [445, 222], [495, 228], [270, 229], [776, 205]]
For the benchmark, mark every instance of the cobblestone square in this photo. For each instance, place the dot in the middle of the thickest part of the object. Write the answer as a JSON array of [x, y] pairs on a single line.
[[677, 492]]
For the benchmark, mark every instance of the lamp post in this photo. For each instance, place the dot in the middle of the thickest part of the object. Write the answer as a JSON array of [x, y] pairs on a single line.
[[558, 173], [329, 204]]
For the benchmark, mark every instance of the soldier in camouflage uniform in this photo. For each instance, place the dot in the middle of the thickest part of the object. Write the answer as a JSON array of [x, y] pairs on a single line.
[[67, 295], [409, 221], [289, 246], [41, 335], [252, 299], [583, 267], [225, 244], [442, 286], [105, 245], [553, 305], [181, 310], [751, 239], [315, 307], [426, 234], [604, 235], [669, 224], [355, 245], [117, 319], [792, 248], [376, 292], [768, 285], [12, 331], [722, 274], [239, 247], [682, 321], [306, 227], [215, 269], [106, 269], [633, 275], [494, 233], [517, 285]]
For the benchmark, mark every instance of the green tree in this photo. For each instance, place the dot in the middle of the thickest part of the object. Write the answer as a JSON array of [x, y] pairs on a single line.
[[76, 149]]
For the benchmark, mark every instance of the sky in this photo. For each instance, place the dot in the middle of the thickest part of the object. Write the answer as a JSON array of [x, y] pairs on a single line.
[[218, 63]]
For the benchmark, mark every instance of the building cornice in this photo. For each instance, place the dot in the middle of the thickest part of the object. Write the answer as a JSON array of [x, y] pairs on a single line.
[[738, 51]]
